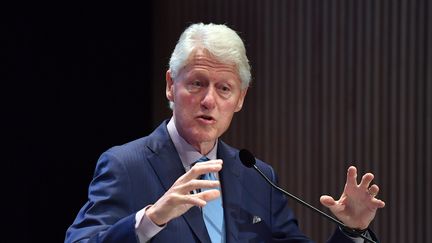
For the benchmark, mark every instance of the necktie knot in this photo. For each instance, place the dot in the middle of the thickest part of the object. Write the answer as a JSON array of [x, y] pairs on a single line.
[[202, 159], [207, 176]]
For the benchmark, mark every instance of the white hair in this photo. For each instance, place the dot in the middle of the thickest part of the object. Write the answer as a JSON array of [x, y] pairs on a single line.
[[221, 41]]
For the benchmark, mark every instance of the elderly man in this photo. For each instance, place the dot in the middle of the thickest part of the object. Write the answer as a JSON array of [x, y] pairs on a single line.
[[182, 183]]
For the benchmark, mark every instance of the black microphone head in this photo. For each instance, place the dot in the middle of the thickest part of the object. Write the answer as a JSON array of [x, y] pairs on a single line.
[[247, 158]]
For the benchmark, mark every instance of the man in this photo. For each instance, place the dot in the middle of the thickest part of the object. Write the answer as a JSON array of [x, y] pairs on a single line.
[[150, 189]]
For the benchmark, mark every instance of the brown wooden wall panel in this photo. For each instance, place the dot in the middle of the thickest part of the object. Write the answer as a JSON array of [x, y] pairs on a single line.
[[334, 83]]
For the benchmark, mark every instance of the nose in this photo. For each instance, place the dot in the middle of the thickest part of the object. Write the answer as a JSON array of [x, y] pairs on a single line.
[[208, 101]]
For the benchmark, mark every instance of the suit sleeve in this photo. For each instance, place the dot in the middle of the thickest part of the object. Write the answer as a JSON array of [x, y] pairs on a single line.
[[107, 216]]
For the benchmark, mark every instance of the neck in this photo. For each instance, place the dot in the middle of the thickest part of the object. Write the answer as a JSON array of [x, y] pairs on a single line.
[[204, 147]]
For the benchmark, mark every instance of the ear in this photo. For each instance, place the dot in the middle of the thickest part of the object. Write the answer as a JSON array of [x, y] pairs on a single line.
[[241, 99], [169, 86]]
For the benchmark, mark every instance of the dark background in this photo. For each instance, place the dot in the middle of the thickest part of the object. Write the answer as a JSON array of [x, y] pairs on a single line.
[[78, 81], [334, 83]]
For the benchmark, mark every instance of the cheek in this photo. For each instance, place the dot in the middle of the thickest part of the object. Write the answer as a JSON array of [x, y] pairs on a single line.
[[229, 106], [227, 111], [186, 99]]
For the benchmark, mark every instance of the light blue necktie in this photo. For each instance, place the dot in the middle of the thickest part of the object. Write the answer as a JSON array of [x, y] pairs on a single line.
[[213, 212]]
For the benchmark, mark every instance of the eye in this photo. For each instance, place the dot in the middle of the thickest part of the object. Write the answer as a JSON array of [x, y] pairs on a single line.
[[194, 86], [196, 83], [225, 90]]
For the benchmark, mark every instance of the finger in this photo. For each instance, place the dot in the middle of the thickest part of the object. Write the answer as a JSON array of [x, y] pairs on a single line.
[[366, 180], [379, 203], [203, 168], [327, 201], [197, 184], [373, 190], [213, 161], [201, 199], [192, 199], [209, 195], [352, 176]]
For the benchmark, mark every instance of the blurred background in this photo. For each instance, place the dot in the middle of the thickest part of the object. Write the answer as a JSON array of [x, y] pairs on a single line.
[[335, 83]]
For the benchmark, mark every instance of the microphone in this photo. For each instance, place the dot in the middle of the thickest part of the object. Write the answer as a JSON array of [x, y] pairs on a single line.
[[248, 160]]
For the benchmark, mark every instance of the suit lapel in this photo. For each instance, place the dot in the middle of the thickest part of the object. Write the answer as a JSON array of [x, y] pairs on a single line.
[[168, 167], [231, 191]]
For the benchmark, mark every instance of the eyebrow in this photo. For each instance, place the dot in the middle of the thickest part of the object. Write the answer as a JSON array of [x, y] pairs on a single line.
[[202, 74]]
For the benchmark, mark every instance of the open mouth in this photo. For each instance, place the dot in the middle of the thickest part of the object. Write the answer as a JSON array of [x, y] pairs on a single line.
[[207, 118]]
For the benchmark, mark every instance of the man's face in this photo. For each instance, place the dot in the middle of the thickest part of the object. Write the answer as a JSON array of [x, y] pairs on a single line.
[[206, 93]]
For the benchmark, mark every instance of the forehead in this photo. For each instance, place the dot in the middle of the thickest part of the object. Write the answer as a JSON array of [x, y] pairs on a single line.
[[203, 60]]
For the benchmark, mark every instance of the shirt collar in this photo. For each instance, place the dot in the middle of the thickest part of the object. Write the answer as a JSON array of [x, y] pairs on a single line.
[[187, 152]]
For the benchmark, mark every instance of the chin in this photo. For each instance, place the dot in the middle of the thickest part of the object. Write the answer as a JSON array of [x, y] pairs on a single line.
[[205, 136]]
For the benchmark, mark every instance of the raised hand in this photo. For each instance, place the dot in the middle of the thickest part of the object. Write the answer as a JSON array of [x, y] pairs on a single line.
[[357, 206], [178, 199]]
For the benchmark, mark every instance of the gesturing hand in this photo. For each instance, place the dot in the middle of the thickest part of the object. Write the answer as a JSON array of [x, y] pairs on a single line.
[[357, 206], [177, 200]]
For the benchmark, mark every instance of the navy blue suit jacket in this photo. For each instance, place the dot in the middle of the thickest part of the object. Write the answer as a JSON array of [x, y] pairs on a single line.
[[136, 174]]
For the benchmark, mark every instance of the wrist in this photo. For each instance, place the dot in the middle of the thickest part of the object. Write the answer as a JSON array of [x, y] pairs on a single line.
[[152, 215]]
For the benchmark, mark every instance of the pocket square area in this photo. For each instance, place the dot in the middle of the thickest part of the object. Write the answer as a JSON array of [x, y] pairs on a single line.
[[256, 219]]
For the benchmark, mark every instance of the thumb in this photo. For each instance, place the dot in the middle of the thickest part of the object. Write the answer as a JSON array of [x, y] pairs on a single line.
[[327, 201]]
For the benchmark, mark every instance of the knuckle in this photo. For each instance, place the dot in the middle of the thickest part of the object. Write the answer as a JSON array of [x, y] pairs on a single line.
[[194, 169]]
